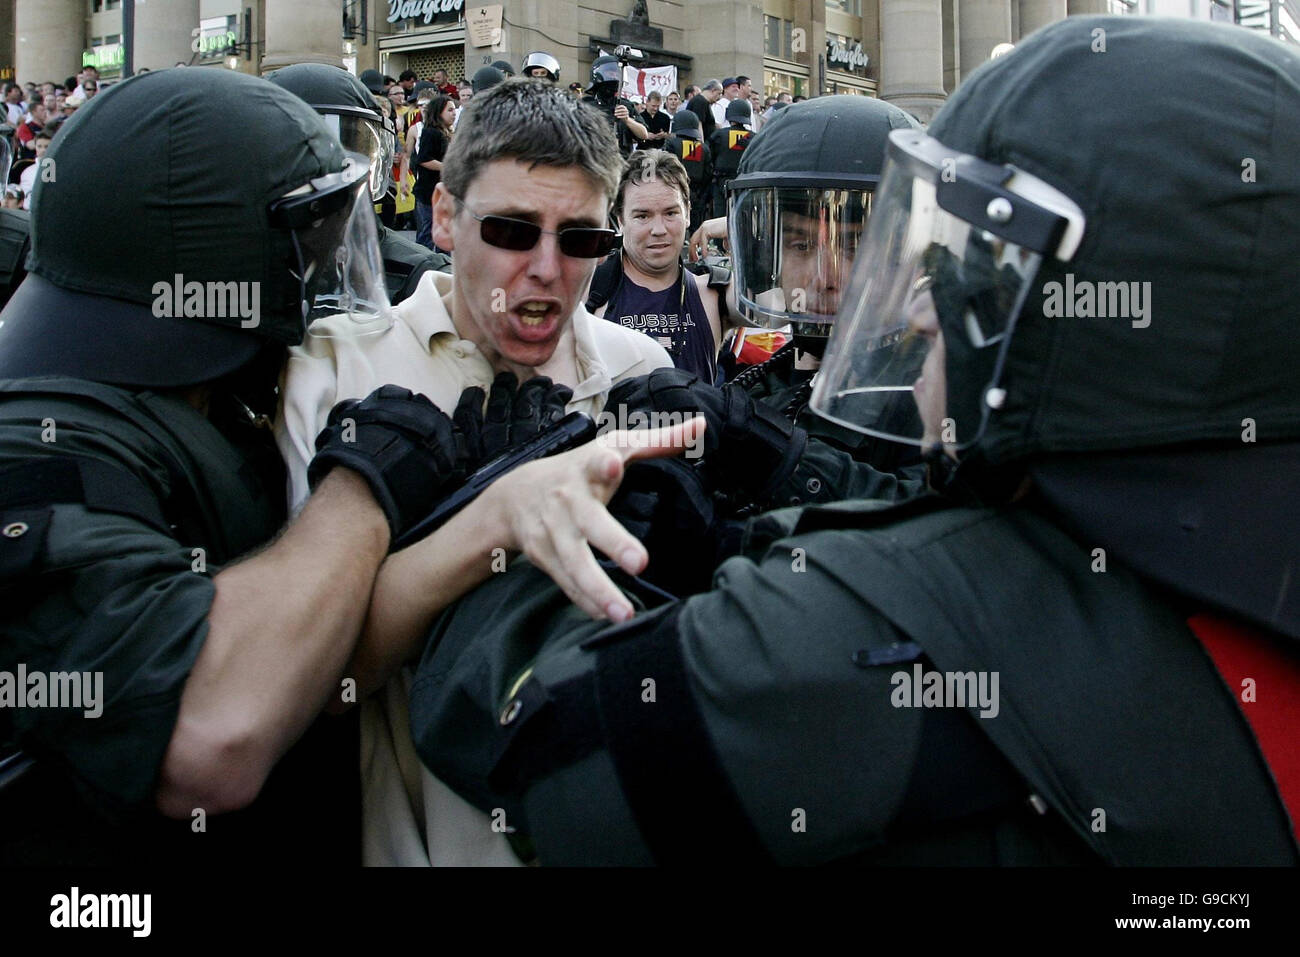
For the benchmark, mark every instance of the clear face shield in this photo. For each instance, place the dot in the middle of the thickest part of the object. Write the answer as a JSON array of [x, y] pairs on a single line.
[[367, 133], [793, 251], [335, 254], [951, 255]]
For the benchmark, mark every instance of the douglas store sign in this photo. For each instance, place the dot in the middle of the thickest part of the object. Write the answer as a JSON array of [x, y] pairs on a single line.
[[425, 11], [845, 57]]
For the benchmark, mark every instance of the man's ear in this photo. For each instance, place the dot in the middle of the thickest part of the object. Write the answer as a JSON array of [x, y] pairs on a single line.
[[444, 211]]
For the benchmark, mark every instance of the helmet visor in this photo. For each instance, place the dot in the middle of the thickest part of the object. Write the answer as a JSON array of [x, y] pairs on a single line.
[[367, 135], [793, 253], [344, 274], [952, 251]]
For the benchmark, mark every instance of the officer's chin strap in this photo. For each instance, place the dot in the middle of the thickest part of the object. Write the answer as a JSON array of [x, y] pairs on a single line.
[[258, 420], [253, 389]]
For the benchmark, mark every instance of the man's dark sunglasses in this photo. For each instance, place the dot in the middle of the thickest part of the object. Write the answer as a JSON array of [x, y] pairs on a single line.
[[579, 242]]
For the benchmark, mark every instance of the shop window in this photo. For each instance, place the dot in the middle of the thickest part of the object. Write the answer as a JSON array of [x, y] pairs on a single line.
[[776, 83], [776, 36], [851, 7]]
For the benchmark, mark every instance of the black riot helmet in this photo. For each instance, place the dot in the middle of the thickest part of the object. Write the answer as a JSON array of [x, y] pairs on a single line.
[[506, 69], [485, 77], [686, 123], [799, 205], [1113, 315], [606, 77], [373, 81], [739, 111], [349, 110], [208, 262], [544, 62]]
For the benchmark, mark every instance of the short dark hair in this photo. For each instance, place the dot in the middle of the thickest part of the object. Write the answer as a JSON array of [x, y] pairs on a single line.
[[537, 123], [645, 166], [742, 80], [406, 75], [691, 91]]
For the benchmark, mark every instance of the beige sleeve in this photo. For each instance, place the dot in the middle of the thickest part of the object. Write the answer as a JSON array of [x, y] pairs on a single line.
[[308, 390]]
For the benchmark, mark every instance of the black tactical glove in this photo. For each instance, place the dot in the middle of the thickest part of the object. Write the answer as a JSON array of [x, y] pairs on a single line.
[[515, 414], [749, 449], [663, 503], [405, 448]]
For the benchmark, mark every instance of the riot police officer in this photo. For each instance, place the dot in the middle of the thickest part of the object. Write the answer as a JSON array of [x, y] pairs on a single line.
[[803, 194], [687, 145], [801, 201], [137, 471], [728, 145], [542, 65], [602, 94], [340, 97], [1014, 670]]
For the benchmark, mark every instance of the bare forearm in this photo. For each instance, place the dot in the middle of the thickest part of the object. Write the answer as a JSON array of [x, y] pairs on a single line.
[[416, 584], [282, 626]]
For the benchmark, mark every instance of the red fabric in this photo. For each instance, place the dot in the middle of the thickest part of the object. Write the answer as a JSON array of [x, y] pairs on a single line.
[[1240, 652], [752, 346]]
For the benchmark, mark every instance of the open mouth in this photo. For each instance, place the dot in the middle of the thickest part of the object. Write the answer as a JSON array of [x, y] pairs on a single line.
[[535, 320]]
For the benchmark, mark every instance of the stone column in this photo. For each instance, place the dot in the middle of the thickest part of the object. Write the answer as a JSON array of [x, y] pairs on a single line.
[[911, 56], [1039, 13], [49, 38], [163, 32], [984, 24], [306, 31]]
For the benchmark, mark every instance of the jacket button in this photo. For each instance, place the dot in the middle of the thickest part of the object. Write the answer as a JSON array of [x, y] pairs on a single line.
[[15, 530], [511, 711], [814, 486]]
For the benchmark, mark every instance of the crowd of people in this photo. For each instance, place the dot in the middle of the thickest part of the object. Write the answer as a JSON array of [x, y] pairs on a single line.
[[413, 105], [33, 114], [946, 578]]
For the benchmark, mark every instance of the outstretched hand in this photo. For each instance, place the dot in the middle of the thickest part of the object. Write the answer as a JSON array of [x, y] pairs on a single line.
[[555, 513]]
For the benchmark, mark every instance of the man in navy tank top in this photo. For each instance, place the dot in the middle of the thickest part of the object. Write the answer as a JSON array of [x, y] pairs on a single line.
[[646, 287]]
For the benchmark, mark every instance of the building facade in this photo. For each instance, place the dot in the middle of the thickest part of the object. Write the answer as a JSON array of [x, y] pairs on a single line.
[[911, 52]]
